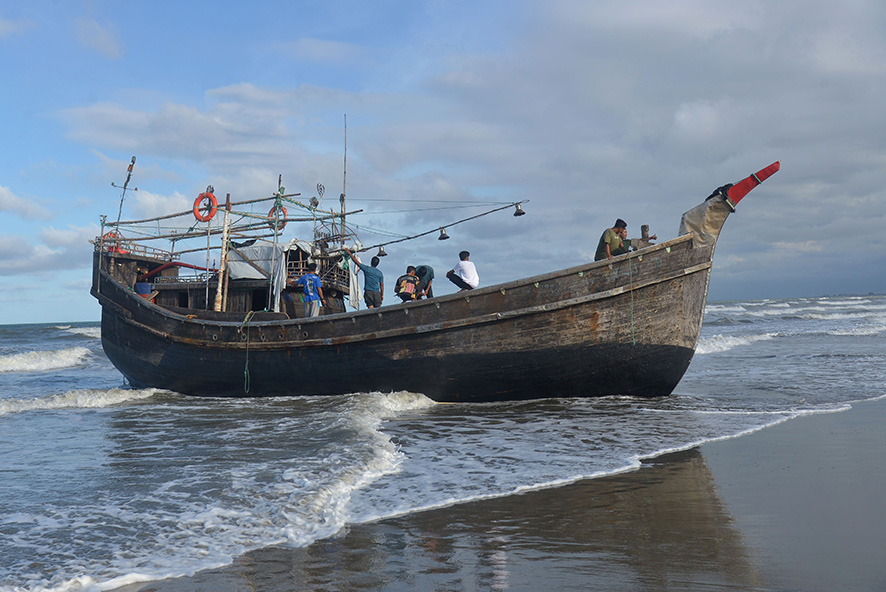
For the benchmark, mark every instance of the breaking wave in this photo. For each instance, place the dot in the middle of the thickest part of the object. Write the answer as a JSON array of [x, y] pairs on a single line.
[[93, 332], [43, 361], [721, 343], [79, 399]]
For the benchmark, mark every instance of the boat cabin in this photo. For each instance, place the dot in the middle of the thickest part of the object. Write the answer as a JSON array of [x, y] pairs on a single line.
[[258, 278]]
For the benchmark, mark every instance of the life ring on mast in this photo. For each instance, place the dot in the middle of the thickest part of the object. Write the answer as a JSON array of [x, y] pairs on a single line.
[[205, 201], [272, 217]]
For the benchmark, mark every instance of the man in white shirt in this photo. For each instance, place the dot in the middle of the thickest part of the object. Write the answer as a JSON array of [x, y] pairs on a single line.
[[464, 274]]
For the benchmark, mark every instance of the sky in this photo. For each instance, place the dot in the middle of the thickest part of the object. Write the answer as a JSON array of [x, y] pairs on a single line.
[[588, 110]]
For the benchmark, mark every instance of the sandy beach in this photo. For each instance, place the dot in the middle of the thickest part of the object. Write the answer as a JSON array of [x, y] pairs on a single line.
[[797, 506]]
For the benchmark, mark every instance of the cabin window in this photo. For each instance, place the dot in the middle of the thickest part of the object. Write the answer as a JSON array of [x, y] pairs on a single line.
[[183, 300]]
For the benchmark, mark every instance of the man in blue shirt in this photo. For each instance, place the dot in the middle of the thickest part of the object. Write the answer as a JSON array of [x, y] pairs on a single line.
[[312, 288], [373, 281]]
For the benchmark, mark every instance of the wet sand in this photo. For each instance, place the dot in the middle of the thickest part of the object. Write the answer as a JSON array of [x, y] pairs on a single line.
[[798, 506]]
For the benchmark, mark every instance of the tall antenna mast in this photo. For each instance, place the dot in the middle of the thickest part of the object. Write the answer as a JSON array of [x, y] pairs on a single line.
[[124, 187], [344, 186]]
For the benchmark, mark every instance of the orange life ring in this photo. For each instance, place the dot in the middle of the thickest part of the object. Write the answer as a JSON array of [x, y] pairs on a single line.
[[112, 242], [272, 217], [211, 206]]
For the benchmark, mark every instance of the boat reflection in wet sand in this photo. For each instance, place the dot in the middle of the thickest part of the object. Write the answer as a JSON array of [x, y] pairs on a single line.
[[624, 326]]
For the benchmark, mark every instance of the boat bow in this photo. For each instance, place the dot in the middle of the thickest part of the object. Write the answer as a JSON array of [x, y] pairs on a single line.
[[706, 219]]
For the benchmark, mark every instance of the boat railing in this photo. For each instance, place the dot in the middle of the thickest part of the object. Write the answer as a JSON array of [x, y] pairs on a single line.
[[331, 274], [122, 246], [184, 279]]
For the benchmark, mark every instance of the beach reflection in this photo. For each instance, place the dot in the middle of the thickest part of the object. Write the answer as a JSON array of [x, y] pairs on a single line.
[[662, 527]]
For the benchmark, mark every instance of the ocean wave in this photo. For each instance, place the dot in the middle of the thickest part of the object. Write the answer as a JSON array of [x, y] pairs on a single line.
[[833, 316], [846, 302], [721, 308], [43, 361], [812, 310], [721, 343], [79, 399], [319, 507], [859, 330], [723, 321], [94, 332]]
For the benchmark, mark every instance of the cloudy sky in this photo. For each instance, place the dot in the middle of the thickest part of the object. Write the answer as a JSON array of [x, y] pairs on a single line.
[[589, 110]]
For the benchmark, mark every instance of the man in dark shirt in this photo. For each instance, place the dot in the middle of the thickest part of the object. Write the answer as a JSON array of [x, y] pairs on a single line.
[[425, 274], [612, 242], [407, 285]]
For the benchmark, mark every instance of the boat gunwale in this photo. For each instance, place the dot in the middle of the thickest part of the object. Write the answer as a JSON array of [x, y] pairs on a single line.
[[437, 300], [401, 329], [415, 329]]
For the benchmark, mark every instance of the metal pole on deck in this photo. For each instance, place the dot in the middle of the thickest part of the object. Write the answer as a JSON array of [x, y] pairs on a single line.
[[273, 297], [344, 185], [208, 235], [101, 255]]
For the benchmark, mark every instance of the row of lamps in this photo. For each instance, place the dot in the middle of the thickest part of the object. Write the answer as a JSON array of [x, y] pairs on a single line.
[[443, 236]]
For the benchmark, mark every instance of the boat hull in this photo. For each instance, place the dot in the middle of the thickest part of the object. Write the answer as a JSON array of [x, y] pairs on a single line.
[[627, 326]]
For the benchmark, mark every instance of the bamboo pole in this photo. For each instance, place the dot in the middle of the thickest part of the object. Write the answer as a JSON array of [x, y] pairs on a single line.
[[223, 259]]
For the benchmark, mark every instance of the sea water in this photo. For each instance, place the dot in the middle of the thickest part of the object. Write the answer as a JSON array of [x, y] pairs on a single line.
[[102, 485]]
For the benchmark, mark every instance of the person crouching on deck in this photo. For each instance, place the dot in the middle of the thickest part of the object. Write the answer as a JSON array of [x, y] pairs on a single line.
[[313, 291], [425, 275], [406, 286], [464, 274]]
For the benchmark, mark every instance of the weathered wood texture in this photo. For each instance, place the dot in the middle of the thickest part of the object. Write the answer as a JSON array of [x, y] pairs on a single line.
[[626, 326]]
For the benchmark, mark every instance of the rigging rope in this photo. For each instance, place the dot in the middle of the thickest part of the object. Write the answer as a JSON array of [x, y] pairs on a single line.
[[245, 323]]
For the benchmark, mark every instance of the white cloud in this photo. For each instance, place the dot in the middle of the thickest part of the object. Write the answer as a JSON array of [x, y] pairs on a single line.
[[145, 204], [101, 38], [9, 27], [57, 250], [9, 202], [699, 120], [323, 51], [810, 246], [592, 110]]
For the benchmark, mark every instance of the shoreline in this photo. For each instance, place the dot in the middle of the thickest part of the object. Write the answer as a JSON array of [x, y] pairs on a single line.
[[794, 506]]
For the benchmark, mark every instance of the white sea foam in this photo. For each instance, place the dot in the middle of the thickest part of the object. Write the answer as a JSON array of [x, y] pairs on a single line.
[[79, 399], [94, 332], [721, 308], [44, 361], [833, 316], [721, 343], [320, 507], [309, 500], [874, 328]]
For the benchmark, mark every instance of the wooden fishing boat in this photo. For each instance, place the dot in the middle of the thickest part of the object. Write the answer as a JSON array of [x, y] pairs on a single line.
[[624, 326]]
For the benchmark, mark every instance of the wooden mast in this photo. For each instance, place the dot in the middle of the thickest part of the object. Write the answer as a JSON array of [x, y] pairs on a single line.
[[223, 262]]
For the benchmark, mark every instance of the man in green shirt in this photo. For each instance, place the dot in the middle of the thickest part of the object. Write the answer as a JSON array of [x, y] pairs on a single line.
[[613, 242]]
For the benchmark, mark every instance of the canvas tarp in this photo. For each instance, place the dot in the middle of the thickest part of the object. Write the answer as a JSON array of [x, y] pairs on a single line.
[[259, 262]]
